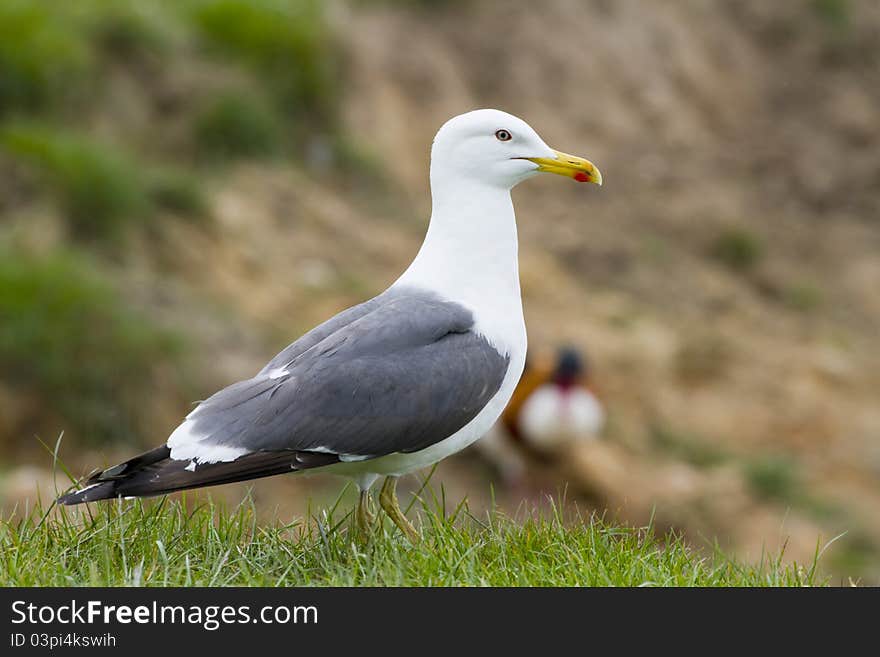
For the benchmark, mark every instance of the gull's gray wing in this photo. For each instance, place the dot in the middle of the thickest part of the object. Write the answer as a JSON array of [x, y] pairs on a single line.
[[396, 374]]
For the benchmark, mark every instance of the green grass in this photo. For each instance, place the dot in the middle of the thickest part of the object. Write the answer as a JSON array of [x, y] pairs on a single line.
[[286, 42], [69, 338], [63, 64], [100, 189], [165, 543], [42, 62], [238, 127], [773, 478], [122, 28], [178, 192]]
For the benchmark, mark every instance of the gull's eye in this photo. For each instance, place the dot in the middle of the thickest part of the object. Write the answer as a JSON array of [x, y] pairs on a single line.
[[503, 135]]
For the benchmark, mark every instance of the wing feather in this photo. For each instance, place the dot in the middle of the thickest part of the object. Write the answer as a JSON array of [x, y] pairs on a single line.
[[405, 372]]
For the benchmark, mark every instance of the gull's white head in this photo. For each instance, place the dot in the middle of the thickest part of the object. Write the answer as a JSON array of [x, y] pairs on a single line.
[[501, 150]]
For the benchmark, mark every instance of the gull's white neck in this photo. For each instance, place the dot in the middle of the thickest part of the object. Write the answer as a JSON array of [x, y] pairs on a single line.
[[470, 256]]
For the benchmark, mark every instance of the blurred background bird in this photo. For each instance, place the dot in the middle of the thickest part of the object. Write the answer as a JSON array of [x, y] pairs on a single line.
[[554, 406]]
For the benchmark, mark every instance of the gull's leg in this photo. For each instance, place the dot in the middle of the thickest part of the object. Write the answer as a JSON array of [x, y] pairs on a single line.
[[366, 519], [388, 502]]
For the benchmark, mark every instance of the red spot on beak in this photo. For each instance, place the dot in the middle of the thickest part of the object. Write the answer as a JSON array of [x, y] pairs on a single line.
[[580, 176]]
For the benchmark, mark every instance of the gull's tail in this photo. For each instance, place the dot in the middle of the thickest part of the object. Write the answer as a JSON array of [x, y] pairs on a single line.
[[156, 473]]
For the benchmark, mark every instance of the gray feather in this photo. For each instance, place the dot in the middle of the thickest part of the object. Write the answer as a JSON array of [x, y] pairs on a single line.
[[323, 330], [395, 374]]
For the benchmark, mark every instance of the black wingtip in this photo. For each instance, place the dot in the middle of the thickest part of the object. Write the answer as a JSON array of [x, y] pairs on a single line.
[[90, 493], [105, 484], [154, 473], [69, 499]]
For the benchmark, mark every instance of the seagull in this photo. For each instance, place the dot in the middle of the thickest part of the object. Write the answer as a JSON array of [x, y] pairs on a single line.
[[398, 382]]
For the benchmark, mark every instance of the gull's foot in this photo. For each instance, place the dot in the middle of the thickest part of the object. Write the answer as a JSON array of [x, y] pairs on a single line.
[[364, 516], [389, 504]]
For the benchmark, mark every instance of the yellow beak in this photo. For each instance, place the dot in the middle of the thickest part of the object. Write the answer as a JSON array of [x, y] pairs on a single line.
[[571, 166]]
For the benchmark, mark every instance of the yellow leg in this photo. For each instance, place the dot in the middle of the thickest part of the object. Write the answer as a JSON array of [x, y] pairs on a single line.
[[366, 519], [388, 502]]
